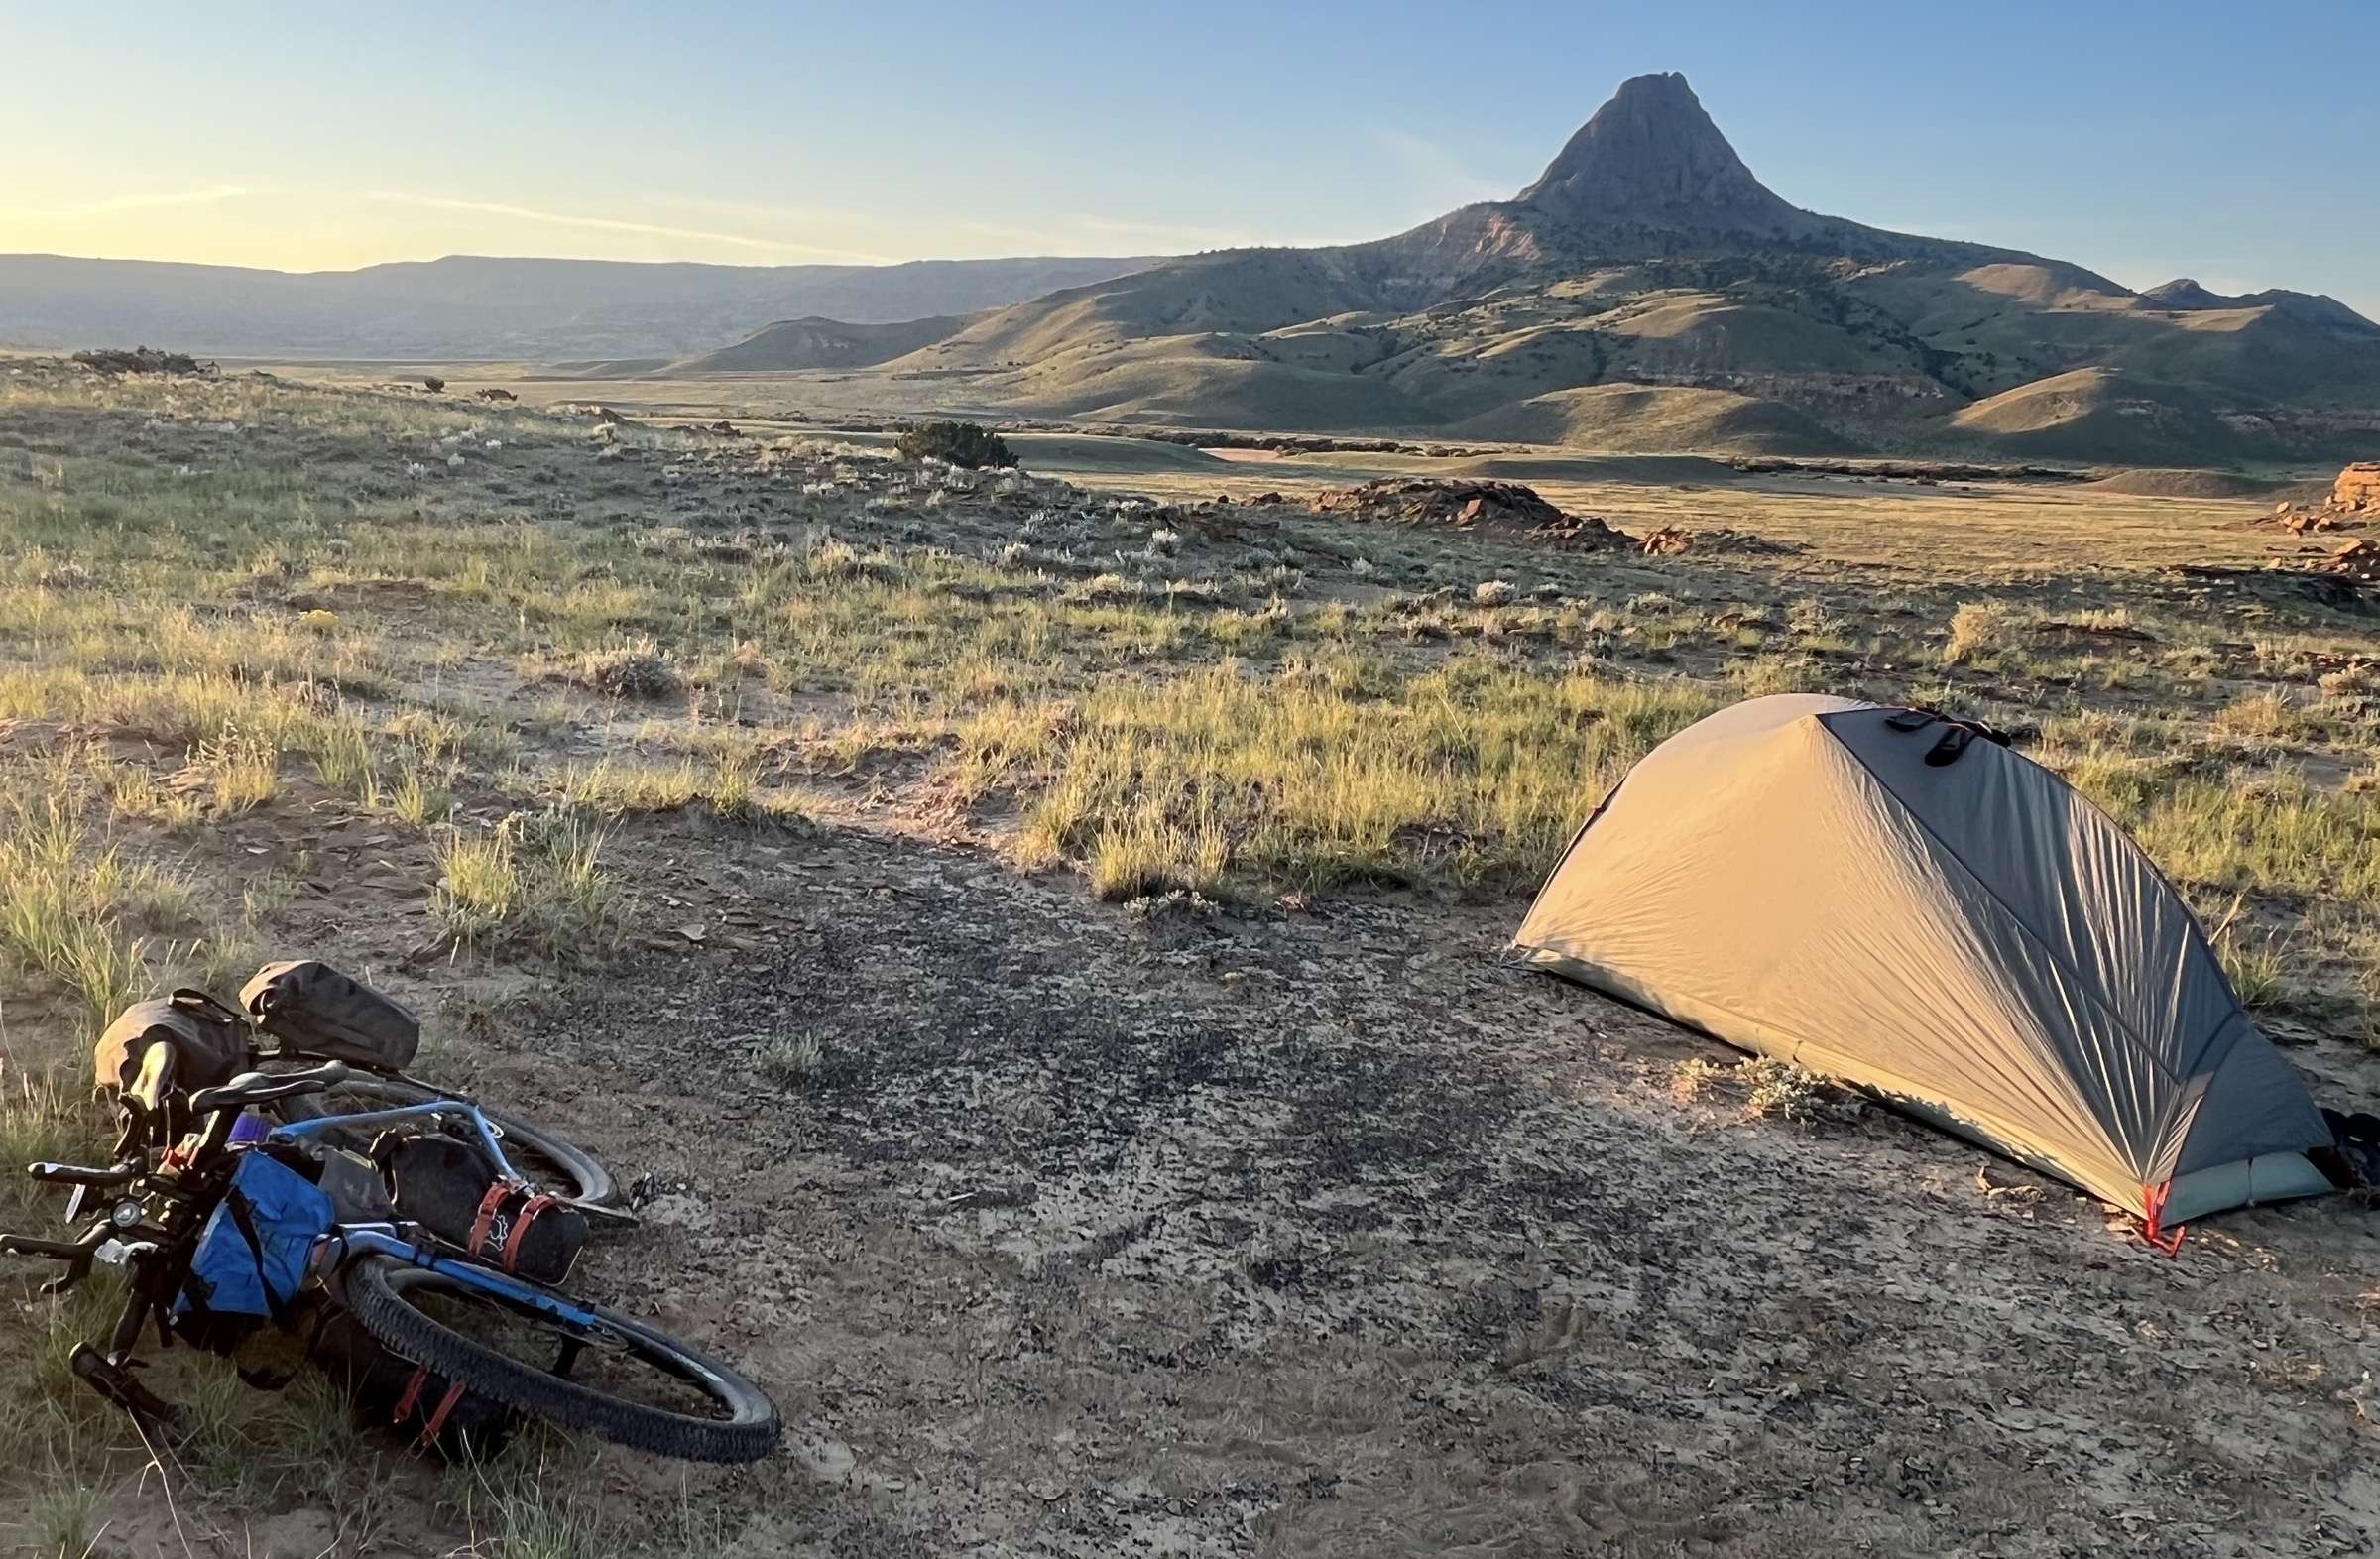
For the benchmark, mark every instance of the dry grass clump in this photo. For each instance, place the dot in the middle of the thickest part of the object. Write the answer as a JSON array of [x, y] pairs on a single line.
[[794, 1060], [1475, 773], [637, 670], [536, 879], [77, 911], [1786, 1091], [243, 770], [2270, 716], [1763, 1088], [1981, 628], [1695, 1078], [2257, 966]]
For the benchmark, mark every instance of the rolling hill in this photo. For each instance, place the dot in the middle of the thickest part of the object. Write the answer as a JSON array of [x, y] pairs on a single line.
[[474, 306], [790, 345], [1648, 292]]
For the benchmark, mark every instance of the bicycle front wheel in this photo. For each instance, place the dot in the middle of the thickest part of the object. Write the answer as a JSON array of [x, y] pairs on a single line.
[[613, 1377]]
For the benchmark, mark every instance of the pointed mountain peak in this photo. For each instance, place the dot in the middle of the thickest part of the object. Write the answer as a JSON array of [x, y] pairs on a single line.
[[1652, 154]]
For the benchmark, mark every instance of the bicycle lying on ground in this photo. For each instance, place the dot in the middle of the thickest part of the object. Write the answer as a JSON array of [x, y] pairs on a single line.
[[225, 1232], [262, 1210], [303, 1013]]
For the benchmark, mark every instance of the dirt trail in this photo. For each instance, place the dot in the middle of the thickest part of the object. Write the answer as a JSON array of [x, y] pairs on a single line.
[[1320, 1234]]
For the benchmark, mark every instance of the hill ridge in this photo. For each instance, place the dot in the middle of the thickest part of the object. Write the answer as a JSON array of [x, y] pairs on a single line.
[[1648, 254], [492, 306]]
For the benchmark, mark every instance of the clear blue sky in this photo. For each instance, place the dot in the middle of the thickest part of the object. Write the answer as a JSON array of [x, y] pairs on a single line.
[[2238, 144]]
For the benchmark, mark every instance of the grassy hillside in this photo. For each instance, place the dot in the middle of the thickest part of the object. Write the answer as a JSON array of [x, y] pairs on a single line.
[[2100, 413], [1189, 383], [1650, 264], [793, 344], [1630, 418]]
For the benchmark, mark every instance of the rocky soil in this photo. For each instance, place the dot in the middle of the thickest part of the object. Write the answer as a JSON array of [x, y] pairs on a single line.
[[1169, 1229]]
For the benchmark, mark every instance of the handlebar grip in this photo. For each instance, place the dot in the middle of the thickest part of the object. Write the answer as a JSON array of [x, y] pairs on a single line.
[[55, 1250], [260, 1087], [78, 1174]]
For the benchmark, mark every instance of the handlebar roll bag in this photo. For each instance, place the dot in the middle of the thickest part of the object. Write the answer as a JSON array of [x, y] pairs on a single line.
[[209, 1042], [312, 1006]]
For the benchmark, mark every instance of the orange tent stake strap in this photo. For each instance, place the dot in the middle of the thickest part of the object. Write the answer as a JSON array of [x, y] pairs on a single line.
[[2152, 1229]]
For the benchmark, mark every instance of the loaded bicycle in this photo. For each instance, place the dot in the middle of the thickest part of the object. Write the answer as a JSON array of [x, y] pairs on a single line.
[[304, 1012], [237, 1209]]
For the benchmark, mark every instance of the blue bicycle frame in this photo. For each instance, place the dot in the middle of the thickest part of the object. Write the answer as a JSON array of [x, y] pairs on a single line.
[[382, 1240], [325, 1125]]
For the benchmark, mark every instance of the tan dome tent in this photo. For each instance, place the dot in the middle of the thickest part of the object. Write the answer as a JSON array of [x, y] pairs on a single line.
[[1870, 894]]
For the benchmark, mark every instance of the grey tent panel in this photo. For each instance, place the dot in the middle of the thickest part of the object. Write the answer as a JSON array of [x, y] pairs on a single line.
[[1971, 940]]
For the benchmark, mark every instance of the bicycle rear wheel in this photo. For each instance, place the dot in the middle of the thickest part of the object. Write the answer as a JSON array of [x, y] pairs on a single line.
[[551, 1163], [613, 1377]]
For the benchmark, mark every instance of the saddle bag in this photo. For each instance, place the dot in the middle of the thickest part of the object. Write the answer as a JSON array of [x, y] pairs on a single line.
[[392, 1391], [210, 1041], [453, 1190], [311, 1007]]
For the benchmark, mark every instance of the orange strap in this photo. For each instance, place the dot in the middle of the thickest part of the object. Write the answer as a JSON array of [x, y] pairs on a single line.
[[528, 1215], [412, 1396], [2152, 1228], [488, 1205], [437, 1418]]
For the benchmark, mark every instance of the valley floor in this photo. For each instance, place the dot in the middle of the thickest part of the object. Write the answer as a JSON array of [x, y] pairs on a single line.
[[1034, 951]]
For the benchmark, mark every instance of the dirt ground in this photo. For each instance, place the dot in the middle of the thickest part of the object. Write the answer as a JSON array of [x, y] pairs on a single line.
[[1189, 1232], [1293, 1226]]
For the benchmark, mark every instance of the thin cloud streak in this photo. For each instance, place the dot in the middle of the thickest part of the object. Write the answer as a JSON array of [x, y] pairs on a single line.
[[610, 224], [132, 203], [1070, 233]]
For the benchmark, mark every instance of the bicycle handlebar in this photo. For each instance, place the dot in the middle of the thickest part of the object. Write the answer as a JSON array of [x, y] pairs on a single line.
[[251, 1088], [79, 1255], [57, 1249], [78, 1174]]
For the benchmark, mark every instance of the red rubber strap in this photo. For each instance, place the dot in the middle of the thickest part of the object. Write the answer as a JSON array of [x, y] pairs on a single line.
[[528, 1215], [437, 1418], [488, 1205], [2152, 1228], [412, 1396]]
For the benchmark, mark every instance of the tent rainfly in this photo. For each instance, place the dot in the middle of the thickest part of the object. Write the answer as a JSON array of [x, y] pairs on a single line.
[[1941, 922]]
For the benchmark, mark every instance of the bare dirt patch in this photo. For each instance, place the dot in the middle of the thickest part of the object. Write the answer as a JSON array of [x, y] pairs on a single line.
[[1192, 1232]]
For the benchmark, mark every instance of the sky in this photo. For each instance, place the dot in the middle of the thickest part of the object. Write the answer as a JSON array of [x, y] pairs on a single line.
[[2231, 143]]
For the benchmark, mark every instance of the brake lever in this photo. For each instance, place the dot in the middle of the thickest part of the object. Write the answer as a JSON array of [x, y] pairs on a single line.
[[78, 1256], [76, 1272]]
